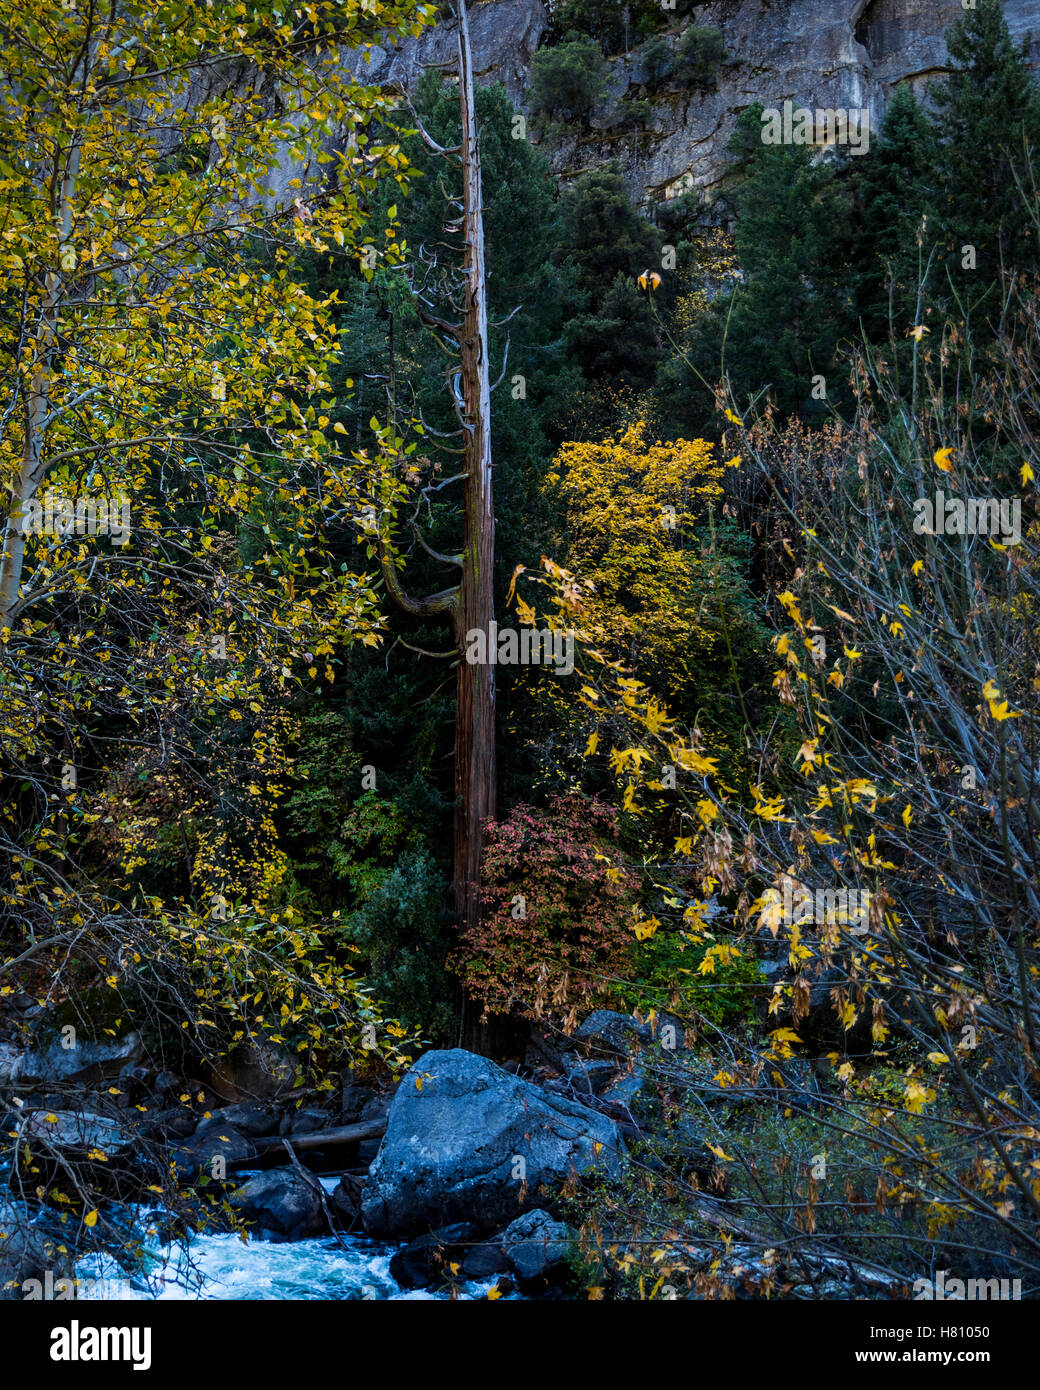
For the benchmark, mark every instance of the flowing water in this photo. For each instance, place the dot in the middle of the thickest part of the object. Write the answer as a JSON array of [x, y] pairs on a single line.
[[226, 1267]]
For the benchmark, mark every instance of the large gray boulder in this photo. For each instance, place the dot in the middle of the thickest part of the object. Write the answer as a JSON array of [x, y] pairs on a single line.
[[467, 1141]]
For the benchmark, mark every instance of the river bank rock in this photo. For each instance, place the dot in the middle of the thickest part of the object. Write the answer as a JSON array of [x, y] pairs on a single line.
[[209, 1151], [86, 1063], [426, 1260], [282, 1204], [536, 1246], [466, 1140], [77, 1131]]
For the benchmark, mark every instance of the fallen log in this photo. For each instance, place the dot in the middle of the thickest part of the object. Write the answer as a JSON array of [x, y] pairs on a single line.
[[316, 1139]]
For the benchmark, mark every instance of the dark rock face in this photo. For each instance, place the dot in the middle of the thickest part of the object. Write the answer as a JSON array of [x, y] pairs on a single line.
[[842, 54], [466, 1140], [282, 1204]]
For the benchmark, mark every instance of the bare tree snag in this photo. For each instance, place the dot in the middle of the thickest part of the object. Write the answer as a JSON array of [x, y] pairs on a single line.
[[475, 770], [470, 604]]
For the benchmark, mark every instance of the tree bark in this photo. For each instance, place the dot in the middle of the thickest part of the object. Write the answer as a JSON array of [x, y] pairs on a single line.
[[470, 604], [33, 466], [475, 770]]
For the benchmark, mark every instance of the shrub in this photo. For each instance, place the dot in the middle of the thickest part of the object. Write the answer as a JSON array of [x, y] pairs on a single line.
[[615, 27], [668, 973], [557, 908], [656, 55], [401, 931], [569, 79], [699, 54]]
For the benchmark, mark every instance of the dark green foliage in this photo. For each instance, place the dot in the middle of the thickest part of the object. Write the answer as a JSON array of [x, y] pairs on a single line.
[[781, 327], [656, 55], [567, 81], [617, 344], [615, 27], [891, 191], [987, 115], [377, 856], [607, 245], [665, 975], [403, 932], [603, 234], [699, 54]]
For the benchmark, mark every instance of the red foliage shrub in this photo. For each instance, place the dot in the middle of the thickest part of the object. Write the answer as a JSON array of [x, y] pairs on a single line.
[[557, 911]]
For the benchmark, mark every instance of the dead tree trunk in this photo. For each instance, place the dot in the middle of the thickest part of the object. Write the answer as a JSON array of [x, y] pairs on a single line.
[[470, 604], [475, 772]]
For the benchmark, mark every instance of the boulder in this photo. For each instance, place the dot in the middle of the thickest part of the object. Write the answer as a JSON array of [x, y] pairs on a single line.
[[627, 1097], [424, 1261], [86, 1063], [173, 1123], [258, 1121], [588, 1075], [196, 1155], [352, 1101], [610, 1034], [466, 1140], [282, 1204], [485, 1259], [77, 1130], [307, 1120], [378, 1108], [256, 1071], [536, 1245], [11, 1060]]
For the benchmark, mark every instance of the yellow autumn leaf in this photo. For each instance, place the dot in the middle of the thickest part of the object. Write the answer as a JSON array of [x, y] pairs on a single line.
[[941, 458]]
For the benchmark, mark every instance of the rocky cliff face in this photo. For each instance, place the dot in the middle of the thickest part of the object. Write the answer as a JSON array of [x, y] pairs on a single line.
[[820, 53]]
